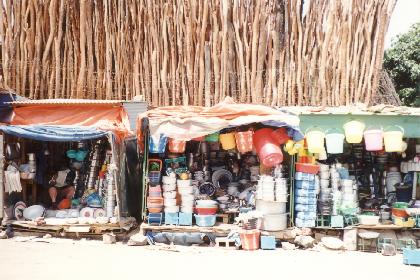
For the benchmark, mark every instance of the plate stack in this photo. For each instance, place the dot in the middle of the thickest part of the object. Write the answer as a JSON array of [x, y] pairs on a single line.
[[169, 194], [305, 199], [186, 192]]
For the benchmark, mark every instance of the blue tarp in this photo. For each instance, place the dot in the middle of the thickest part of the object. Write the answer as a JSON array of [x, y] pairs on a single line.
[[62, 133]]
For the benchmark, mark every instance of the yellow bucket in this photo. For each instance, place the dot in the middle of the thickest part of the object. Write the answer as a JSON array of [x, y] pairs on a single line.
[[354, 131], [315, 140], [393, 139], [228, 141]]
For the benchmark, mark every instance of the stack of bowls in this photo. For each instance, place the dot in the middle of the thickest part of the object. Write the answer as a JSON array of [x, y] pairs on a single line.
[[335, 179], [267, 187], [186, 192], [154, 199], [281, 190], [349, 194], [324, 198], [169, 194], [392, 178], [206, 207]]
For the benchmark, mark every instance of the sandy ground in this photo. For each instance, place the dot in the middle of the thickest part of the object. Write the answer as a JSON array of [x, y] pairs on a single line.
[[84, 259]]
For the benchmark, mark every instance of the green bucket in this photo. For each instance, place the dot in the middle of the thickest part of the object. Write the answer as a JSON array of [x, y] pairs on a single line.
[[214, 137]]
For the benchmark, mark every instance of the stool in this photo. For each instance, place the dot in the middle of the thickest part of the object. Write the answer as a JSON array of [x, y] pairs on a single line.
[[367, 244], [25, 184], [323, 221], [155, 219]]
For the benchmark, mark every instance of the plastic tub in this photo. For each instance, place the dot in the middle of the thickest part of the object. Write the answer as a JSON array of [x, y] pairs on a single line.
[[169, 202], [368, 219], [205, 220], [171, 194], [373, 139], [393, 139], [274, 222], [228, 141], [307, 168], [354, 131], [206, 210], [244, 142], [315, 140], [270, 207], [334, 142], [250, 239]]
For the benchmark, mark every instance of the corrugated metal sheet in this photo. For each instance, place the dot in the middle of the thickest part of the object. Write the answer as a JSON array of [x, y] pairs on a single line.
[[65, 102], [133, 109]]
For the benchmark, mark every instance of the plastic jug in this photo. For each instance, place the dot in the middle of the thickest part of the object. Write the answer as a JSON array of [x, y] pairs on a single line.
[[335, 142], [373, 139], [315, 140], [393, 139], [354, 131], [228, 141]]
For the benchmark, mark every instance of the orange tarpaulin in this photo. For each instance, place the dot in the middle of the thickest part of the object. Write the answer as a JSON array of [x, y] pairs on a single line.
[[187, 122], [104, 117]]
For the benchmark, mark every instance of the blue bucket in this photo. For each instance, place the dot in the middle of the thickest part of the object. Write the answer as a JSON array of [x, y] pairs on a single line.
[[205, 220]]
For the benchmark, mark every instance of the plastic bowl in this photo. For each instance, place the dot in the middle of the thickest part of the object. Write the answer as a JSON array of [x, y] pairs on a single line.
[[205, 220], [206, 203], [206, 211]]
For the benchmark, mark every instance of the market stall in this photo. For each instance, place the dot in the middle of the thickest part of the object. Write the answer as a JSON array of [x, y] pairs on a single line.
[[359, 167], [216, 164], [63, 165]]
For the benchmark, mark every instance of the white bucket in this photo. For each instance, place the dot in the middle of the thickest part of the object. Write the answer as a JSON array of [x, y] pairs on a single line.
[[274, 222], [335, 143]]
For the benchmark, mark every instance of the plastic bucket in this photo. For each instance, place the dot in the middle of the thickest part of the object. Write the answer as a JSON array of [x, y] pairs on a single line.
[[214, 137], [228, 141], [354, 131], [157, 145], [250, 239], [268, 150], [280, 135], [244, 142], [334, 142], [393, 139], [176, 146], [373, 139], [315, 140]]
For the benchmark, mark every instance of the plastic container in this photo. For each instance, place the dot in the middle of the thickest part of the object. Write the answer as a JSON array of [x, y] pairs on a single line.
[[268, 242], [368, 219], [250, 239], [270, 207], [267, 149], [228, 141], [354, 131], [334, 142], [157, 145], [280, 135], [307, 168], [206, 210], [315, 140], [393, 139], [274, 222], [374, 140], [214, 137], [244, 141], [176, 146], [155, 175], [205, 220]]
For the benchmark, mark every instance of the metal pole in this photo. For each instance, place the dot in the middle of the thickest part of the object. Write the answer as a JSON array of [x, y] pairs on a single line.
[[1, 176]]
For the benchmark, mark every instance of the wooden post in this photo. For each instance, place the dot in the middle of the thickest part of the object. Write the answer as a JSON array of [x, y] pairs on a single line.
[[1, 176]]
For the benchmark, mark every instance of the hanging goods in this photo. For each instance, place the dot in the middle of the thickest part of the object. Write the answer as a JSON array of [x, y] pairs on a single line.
[[214, 137], [176, 146], [280, 135], [393, 136], [268, 151], [157, 145], [334, 140], [244, 142], [373, 139], [354, 131], [315, 140], [228, 141]]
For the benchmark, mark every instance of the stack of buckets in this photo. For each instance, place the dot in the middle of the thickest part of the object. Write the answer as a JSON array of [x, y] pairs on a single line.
[[305, 199]]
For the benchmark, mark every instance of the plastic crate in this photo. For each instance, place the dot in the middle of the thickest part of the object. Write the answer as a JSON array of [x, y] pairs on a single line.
[[185, 219], [268, 243], [411, 256], [171, 218], [337, 221]]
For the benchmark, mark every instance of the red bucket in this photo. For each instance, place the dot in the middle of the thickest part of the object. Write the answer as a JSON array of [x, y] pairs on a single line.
[[280, 135], [250, 239], [244, 141], [176, 146], [267, 148]]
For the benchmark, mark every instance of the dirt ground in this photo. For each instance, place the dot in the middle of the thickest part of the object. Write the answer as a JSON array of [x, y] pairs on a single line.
[[85, 259]]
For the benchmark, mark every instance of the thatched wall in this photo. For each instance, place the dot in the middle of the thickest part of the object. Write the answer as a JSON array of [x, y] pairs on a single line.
[[195, 51]]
